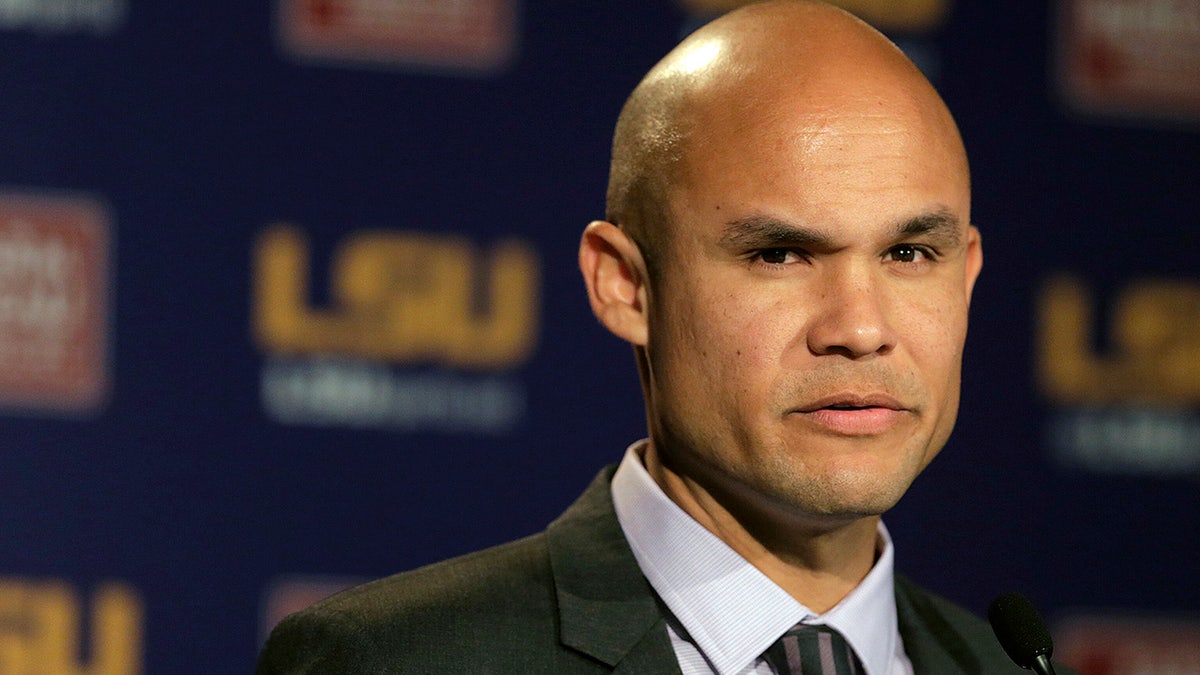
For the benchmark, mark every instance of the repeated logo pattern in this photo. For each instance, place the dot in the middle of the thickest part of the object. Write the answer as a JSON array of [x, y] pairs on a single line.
[[465, 34], [53, 302]]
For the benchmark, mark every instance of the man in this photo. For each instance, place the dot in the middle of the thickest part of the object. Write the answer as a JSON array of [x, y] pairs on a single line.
[[788, 249]]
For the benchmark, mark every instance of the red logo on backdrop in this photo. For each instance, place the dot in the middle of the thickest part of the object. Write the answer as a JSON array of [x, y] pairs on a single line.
[[1131, 56], [463, 34], [53, 302], [1102, 646], [292, 594]]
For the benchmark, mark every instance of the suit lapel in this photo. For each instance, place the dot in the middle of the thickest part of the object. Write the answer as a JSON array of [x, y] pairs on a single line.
[[607, 609], [931, 642]]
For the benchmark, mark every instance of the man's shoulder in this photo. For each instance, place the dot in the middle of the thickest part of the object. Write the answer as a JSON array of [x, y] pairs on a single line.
[[499, 600], [938, 611], [469, 582], [939, 633]]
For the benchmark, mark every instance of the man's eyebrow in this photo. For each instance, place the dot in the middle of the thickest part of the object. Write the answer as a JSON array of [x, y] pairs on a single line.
[[941, 225], [762, 231], [759, 231]]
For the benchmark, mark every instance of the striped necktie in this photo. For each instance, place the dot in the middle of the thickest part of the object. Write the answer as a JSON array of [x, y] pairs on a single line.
[[812, 650]]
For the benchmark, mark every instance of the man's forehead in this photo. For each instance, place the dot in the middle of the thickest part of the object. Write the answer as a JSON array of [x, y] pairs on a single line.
[[827, 157], [776, 109]]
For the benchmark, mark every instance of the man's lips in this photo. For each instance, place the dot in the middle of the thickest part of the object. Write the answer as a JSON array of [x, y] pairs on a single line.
[[849, 414], [848, 401]]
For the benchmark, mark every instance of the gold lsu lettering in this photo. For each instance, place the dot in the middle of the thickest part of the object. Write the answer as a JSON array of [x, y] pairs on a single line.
[[40, 630], [400, 297], [1155, 345]]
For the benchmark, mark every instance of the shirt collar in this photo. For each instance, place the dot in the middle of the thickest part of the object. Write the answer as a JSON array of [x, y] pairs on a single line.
[[867, 615], [729, 609]]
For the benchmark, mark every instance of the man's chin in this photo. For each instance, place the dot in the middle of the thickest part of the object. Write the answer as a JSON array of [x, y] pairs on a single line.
[[843, 497]]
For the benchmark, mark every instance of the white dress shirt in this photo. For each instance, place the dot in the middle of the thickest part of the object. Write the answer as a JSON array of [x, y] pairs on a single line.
[[725, 612]]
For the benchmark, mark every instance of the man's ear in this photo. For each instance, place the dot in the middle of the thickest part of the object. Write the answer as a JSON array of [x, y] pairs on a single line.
[[615, 274], [974, 258]]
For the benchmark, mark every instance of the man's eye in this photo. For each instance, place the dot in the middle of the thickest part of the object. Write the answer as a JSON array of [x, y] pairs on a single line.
[[907, 253], [776, 256]]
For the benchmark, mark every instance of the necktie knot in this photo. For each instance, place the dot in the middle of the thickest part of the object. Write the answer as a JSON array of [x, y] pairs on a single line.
[[812, 650]]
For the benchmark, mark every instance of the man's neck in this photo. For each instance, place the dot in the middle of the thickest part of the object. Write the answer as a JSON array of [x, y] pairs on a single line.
[[816, 560]]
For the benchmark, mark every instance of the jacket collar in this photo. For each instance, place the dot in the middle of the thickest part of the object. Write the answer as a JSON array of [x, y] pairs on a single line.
[[933, 643], [607, 609]]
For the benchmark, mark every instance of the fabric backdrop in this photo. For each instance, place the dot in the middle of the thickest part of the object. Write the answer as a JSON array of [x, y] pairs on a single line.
[[288, 299]]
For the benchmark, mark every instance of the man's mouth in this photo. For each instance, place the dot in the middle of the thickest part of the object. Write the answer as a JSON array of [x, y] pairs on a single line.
[[854, 402], [854, 414]]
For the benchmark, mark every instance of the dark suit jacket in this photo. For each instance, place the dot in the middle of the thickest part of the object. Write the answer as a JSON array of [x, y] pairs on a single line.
[[569, 600]]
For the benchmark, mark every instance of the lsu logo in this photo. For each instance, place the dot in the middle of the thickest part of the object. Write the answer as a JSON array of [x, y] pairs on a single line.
[[1154, 345], [401, 297], [41, 625]]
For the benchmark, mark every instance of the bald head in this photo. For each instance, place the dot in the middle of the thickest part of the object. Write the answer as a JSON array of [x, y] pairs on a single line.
[[758, 64]]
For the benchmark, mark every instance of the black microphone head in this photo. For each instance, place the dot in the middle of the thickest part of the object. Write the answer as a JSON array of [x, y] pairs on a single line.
[[1019, 629]]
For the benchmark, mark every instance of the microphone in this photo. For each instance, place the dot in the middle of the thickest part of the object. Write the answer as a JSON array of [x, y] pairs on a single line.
[[1021, 633]]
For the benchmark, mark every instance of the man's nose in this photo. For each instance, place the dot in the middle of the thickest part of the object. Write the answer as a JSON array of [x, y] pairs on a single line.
[[852, 316]]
